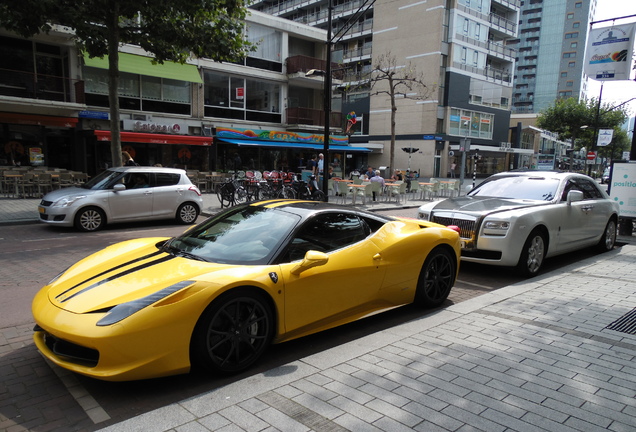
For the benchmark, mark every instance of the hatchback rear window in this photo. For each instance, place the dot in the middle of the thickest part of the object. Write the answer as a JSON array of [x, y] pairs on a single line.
[[167, 179]]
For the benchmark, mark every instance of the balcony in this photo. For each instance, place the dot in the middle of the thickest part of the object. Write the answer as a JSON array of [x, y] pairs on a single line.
[[29, 85], [312, 117]]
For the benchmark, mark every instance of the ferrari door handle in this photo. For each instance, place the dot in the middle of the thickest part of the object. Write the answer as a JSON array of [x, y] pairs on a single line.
[[377, 257]]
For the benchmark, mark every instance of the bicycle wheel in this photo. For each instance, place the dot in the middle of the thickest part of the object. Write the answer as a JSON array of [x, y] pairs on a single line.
[[240, 196], [318, 195], [225, 195], [287, 192]]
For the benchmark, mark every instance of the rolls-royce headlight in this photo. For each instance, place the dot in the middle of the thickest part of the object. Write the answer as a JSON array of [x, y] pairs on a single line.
[[422, 216], [497, 225]]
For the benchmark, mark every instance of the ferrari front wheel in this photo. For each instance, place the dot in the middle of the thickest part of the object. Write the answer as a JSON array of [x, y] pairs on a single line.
[[233, 332], [436, 278]]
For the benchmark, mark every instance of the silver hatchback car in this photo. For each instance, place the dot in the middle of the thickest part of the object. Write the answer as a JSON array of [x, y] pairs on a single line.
[[124, 194]]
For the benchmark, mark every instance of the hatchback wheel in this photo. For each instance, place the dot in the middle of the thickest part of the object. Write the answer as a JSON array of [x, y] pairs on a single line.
[[187, 213], [90, 219]]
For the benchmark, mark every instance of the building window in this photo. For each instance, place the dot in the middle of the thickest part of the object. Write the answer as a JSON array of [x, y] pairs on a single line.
[[565, 94], [574, 45], [471, 123], [569, 84], [139, 92], [242, 99], [578, 5], [564, 74], [576, 25], [571, 64], [572, 35], [570, 15], [569, 54]]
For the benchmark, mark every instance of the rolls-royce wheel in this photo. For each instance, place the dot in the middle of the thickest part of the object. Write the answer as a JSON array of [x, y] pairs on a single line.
[[532, 254]]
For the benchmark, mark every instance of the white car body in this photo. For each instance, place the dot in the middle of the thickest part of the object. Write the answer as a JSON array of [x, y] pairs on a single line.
[[520, 218], [112, 197]]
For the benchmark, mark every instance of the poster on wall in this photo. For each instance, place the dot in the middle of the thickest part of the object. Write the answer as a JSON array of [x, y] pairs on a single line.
[[36, 157], [545, 162]]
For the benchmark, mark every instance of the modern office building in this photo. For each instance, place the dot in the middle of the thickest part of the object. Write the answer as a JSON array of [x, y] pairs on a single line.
[[460, 46], [550, 53], [54, 107]]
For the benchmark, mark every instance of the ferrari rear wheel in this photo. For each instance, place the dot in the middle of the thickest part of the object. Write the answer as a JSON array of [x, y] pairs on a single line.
[[233, 332], [436, 278]]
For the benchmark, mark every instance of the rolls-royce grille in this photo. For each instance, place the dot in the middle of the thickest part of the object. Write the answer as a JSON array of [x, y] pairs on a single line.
[[466, 227]]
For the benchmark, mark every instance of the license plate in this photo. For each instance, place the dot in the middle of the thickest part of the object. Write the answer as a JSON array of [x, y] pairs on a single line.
[[43, 210]]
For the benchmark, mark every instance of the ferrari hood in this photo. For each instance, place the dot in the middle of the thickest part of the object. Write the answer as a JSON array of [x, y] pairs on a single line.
[[122, 273], [483, 205]]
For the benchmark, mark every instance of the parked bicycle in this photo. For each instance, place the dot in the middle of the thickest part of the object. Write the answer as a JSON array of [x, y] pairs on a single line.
[[232, 192], [308, 190]]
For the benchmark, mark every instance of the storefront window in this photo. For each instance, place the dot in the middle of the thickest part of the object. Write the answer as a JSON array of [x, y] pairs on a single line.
[[262, 96], [237, 92]]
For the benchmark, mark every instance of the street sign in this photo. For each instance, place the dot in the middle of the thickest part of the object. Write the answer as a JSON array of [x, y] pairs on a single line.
[[591, 155], [604, 137]]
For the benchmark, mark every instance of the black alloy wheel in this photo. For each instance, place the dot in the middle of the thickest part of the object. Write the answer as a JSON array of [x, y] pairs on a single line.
[[233, 332], [436, 278]]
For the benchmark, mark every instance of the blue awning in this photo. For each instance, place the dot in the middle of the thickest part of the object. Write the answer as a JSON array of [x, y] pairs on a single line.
[[285, 144]]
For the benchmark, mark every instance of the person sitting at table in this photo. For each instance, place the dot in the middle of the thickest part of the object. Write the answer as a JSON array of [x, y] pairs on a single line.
[[370, 172], [397, 175], [378, 179]]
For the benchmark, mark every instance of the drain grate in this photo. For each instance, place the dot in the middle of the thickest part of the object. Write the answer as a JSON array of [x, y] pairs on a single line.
[[625, 324]]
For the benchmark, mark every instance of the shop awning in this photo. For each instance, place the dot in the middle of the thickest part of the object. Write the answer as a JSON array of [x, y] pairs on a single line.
[[143, 66], [285, 144], [39, 120], [103, 135]]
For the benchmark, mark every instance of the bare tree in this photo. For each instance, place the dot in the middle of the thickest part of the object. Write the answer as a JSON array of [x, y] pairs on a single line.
[[397, 81]]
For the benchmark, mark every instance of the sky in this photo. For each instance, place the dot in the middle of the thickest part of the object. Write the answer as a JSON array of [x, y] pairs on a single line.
[[615, 92]]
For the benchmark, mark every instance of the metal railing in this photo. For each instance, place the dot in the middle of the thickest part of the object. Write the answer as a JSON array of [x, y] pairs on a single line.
[[30, 85], [302, 63]]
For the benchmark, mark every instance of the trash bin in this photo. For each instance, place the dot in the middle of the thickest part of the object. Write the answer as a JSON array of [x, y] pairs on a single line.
[[385, 172]]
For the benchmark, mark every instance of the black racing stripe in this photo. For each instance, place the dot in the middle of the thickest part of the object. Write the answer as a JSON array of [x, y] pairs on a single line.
[[160, 260]]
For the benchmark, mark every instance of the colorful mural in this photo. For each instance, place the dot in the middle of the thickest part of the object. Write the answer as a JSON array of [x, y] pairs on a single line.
[[266, 135]]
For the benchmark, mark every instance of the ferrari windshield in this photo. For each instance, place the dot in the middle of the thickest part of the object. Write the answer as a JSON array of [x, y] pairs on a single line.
[[244, 235], [538, 188]]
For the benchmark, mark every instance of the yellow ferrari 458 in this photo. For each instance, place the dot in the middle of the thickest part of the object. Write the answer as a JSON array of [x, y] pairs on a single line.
[[217, 296]]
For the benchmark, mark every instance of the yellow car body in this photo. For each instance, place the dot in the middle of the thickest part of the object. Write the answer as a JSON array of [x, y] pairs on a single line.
[[317, 292]]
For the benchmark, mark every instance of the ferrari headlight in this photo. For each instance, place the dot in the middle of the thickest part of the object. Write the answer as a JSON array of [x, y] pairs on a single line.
[[68, 201], [125, 310]]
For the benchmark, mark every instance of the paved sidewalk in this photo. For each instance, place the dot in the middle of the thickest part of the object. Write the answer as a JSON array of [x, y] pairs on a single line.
[[537, 355]]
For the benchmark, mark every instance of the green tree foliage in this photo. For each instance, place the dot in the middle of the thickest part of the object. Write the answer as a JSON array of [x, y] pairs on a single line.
[[169, 30], [579, 120]]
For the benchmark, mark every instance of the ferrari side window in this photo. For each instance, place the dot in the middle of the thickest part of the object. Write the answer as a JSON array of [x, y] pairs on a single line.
[[326, 233]]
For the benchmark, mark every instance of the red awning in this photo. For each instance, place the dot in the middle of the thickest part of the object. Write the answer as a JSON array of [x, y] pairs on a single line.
[[38, 120], [103, 135]]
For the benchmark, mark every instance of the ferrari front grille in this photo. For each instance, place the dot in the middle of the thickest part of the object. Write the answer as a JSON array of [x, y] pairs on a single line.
[[466, 227], [71, 352]]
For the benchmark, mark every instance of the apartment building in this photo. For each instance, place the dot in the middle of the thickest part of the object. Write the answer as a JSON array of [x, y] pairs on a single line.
[[461, 48], [550, 53], [200, 115]]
